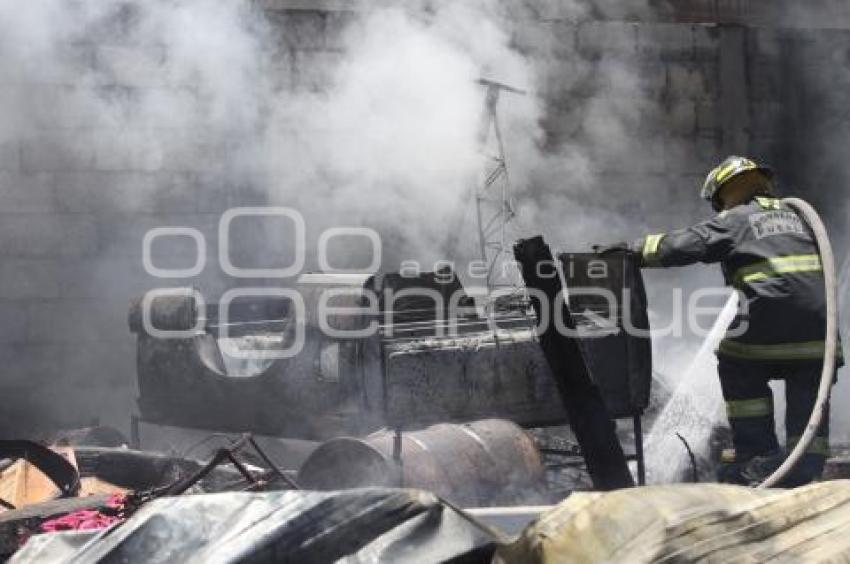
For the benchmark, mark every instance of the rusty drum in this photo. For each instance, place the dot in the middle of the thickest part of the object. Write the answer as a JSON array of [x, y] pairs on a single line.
[[486, 462]]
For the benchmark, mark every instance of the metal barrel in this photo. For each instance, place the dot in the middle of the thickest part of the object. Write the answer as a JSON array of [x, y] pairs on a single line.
[[474, 464]]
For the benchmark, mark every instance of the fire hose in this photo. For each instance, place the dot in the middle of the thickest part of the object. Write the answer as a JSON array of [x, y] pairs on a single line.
[[831, 342]]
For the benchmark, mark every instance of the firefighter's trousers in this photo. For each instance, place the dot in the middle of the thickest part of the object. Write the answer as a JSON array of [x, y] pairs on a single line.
[[749, 407]]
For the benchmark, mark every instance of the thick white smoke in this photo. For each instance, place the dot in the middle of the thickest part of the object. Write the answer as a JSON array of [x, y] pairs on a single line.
[[387, 137], [139, 112], [392, 142]]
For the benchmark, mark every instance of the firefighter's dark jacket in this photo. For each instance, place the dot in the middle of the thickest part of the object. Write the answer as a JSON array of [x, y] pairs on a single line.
[[769, 254]]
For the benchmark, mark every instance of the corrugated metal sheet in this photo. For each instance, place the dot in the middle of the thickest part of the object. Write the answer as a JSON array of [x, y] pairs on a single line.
[[692, 523], [367, 525]]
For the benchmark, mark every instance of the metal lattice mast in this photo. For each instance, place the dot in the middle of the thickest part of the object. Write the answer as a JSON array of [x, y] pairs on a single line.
[[493, 202]]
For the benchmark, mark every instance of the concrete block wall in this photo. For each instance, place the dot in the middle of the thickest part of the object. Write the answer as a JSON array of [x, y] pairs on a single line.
[[74, 210], [662, 81]]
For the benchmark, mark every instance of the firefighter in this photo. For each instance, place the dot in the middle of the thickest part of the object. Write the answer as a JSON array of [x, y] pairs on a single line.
[[768, 253]]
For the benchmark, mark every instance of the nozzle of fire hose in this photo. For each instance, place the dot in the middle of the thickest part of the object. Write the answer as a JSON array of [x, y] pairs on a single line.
[[604, 249], [830, 280]]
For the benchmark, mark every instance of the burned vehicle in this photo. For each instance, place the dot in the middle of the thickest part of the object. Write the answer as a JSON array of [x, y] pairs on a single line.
[[383, 351]]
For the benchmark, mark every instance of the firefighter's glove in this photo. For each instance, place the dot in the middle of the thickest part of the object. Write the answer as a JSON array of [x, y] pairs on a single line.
[[608, 249]]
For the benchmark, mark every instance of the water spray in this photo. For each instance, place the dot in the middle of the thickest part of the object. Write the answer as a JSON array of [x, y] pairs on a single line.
[[693, 406]]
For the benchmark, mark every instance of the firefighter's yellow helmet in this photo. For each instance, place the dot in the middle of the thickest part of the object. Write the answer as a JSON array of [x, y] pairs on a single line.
[[726, 171]]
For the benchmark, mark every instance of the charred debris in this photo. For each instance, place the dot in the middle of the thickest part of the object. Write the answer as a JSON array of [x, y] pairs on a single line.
[[477, 415]]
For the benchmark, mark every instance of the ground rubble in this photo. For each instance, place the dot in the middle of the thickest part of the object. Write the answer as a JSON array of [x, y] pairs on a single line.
[[96, 500]]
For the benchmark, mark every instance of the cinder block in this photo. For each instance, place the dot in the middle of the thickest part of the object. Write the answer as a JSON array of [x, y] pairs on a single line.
[[643, 79], [559, 11], [218, 193], [710, 71], [57, 106], [766, 81], [706, 41], [609, 116], [13, 328], [564, 121], [707, 118], [301, 29], [649, 117], [45, 235], [189, 153], [689, 80], [707, 150], [828, 46], [26, 279], [198, 150], [10, 155], [129, 150], [135, 65], [645, 121], [121, 279], [685, 199], [72, 59], [281, 71], [53, 106], [608, 38], [160, 109], [767, 118], [632, 154], [28, 368], [832, 104], [111, 278], [683, 158], [531, 38], [695, 181], [315, 70], [106, 370], [680, 118], [65, 386], [546, 39], [669, 41], [121, 235], [27, 192], [338, 24], [764, 43], [58, 150], [173, 193], [99, 192], [523, 11], [567, 78], [85, 321]]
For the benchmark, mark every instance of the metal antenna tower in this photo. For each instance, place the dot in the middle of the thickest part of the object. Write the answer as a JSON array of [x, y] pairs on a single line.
[[493, 202]]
